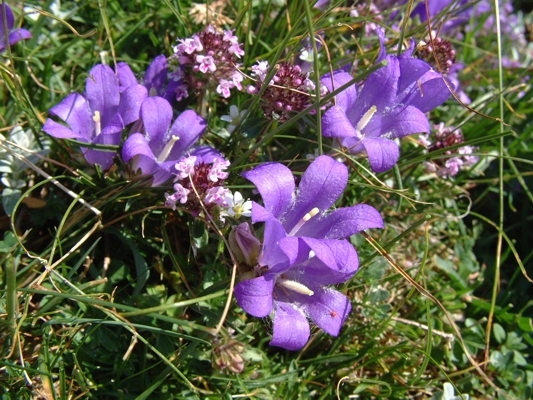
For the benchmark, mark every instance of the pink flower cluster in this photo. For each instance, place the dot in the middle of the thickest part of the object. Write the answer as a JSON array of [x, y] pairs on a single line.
[[289, 92], [199, 182], [209, 60], [456, 159]]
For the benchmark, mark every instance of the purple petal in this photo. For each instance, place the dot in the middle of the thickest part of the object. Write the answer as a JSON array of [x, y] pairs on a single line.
[[382, 48], [291, 329], [148, 167], [348, 97], [322, 184], [328, 309], [5, 12], [156, 75], [171, 91], [296, 252], [125, 75], [136, 144], [275, 183], [110, 135], [428, 93], [335, 123], [272, 255], [411, 69], [403, 121], [334, 261], [61, 131], [255, 296], [111, 132], [321, 4], [156, 114], [259, 213], [160, 172], [75, 111], [205, 154], [103, 92], [382, 153], [17, 35], [343, 222], [138, 149], [130, 103], [380, 89], [100, 157], [189, 127]]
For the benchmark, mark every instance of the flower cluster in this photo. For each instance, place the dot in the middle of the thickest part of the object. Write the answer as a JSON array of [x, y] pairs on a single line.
[[290, 269], [289, 92], [438, 52], [304, 250], [199, 182], [208, 60], [159, 145], [391, 104], [114, 101], [443, 137], [93, 118]]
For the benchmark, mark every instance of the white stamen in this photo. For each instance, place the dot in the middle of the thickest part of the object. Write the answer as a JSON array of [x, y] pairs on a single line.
[[97, 122], [295, 286], [305, 218], [365, 119], [168, 148]]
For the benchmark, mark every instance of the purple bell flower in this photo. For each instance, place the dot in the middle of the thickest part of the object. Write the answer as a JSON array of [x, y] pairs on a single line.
[[154, 84], [156, 79], [304, 251], [7, 21], [157, 149], [391, 104], [93, 118]]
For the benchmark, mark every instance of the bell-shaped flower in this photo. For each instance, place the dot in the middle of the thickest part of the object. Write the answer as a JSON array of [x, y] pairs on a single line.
[[153, 84], [93, 118], [156, 81], [391, 104], [157, 149], [304, 251], [7, 22]]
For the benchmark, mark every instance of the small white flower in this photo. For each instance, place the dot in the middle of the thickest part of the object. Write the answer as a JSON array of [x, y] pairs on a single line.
[[306, 55], [237, 206], [449, 393], [235, 118]]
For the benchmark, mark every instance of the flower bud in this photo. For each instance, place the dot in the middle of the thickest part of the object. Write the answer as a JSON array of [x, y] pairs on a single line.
[[244, 244]]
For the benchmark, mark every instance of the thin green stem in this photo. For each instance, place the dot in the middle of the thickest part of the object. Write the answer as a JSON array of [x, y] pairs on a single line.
[[496, 284], [316, 67], [11, 295]]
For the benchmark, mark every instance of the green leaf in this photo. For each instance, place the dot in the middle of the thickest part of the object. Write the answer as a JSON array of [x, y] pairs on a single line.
[[499, 333], [9, 242], [519, 359], [199, 234], [10, 197]]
